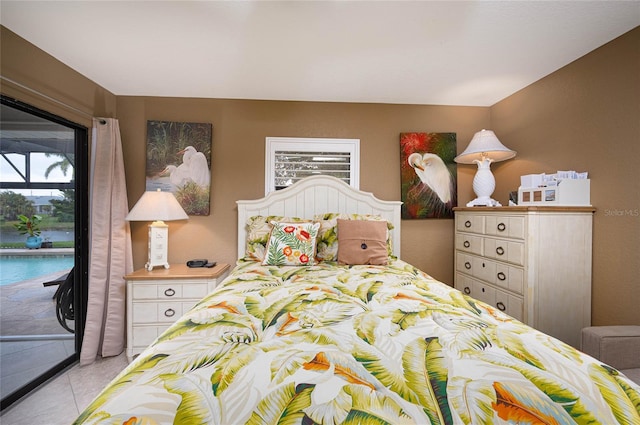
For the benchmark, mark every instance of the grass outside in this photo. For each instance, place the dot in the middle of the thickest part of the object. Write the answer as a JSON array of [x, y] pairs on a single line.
[[47, 223], [17, 245]]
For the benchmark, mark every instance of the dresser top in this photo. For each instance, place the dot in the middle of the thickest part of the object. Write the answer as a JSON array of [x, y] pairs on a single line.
[[179, 271], [522, 208]]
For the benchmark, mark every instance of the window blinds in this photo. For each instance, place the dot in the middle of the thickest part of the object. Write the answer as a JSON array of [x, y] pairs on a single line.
[[291, 166], [289, 159]]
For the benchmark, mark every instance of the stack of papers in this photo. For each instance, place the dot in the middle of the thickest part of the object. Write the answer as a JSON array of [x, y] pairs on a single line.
[[544, 180]]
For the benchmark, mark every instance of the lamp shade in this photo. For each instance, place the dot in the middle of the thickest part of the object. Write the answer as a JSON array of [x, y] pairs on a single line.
[[484, 144], [157, 206]]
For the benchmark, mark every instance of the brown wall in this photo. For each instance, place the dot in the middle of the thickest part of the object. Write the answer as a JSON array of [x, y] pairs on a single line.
[[586, 117], [239, 131], [25, 64], [583, 117]]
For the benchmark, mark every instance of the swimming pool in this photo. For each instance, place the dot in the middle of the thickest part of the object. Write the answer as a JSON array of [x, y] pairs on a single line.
[[18, 268]]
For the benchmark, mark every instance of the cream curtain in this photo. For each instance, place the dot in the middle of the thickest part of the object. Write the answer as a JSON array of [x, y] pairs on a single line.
[[110, 255]]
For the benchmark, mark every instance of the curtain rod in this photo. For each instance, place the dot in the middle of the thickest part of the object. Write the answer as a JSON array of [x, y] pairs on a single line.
[[49, 98]]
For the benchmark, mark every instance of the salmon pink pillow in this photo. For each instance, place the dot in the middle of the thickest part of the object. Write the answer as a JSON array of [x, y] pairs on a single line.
[[327, 249], [362, 242]]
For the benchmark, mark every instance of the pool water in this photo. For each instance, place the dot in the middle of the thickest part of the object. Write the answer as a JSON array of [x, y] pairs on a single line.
[[18, 268]]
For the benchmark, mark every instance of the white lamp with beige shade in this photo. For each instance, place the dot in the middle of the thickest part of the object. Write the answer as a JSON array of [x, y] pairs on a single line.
[[484, 149], [157, 207]]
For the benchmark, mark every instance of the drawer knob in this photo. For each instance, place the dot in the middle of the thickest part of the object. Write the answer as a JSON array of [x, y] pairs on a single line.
[[502, 276], [501, 227], [500, 250], [169, 292], [501, 306], [467, 224], [466, 244], [467, 290], [170, 312], [467, 265]]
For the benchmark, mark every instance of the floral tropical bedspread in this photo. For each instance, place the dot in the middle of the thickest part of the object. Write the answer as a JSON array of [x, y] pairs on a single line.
[[333, 344]]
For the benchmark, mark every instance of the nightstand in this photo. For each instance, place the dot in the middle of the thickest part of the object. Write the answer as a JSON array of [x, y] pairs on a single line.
[[157, 298]]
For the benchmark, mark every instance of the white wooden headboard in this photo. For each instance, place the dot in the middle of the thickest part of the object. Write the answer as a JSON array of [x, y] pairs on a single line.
[[318, 195]]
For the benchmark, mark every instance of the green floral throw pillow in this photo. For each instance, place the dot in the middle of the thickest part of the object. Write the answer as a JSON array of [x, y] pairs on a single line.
[[258, 231], [291, 244]]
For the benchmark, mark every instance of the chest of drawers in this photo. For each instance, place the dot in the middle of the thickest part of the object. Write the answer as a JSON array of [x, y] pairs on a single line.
[[157, 298], [533, 263]]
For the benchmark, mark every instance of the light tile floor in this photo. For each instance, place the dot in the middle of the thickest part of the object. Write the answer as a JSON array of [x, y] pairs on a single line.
[[60, 400], [23, 361]]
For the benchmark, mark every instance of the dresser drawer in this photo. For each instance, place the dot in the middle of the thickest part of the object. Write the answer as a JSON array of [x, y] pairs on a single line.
[[161, 312], [470, 223], [483, 292], [464, 262], [463, 283], [150, 291], [509, 227], [511, 304], [469, 243], [510, 277], [144, 335], [167, 291], [470, 286], [504, 250], [477, 267], [503, 275]]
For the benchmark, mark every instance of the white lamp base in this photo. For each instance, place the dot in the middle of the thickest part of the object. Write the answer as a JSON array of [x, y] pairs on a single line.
[[158, 245], [483, 185], [484, 202]]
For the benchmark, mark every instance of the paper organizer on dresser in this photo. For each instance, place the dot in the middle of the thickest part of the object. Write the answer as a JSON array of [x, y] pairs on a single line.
[[533, 263]]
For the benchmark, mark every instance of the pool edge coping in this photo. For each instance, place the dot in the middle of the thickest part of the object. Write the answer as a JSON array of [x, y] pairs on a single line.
[[41, 252]]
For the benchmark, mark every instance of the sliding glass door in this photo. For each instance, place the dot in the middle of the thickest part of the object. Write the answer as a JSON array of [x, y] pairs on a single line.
[[43, 245]]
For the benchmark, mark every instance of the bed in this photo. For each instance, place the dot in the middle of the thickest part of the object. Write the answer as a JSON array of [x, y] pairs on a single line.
[[331, 342]]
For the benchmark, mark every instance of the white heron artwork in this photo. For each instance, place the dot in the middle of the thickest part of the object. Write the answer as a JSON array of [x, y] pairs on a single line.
[[178, 158], [428, 175], [178, 176], [195, 166], [434, 173]]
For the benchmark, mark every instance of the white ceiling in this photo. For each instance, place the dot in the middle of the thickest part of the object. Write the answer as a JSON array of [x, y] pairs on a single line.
[[471, 53]]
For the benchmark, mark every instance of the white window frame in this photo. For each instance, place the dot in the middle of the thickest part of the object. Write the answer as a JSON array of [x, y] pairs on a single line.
[[300, 144]]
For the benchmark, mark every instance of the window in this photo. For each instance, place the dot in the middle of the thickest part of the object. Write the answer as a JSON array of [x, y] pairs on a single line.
[[289, 159]]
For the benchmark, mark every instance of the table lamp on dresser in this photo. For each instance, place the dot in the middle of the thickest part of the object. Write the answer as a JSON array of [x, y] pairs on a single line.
[[157, 207], [484, 149]]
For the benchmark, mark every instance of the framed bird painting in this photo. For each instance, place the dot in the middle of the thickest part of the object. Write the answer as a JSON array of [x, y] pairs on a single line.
[[179, 161], [428, 175]]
